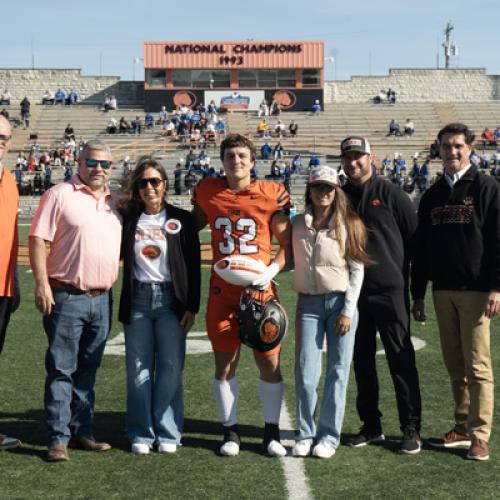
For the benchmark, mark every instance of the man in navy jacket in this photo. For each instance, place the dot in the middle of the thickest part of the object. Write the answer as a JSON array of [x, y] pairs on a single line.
[[457, 247]]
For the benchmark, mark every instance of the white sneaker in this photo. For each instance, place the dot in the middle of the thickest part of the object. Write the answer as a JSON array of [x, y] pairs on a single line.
[[324, 449], [229, 449], [167, 448], [302, 448], [7, 443], [275, 449], [141, 448]]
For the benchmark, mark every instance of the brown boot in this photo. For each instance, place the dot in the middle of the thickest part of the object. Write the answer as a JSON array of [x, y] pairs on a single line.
[[478, 450], [87, 444], [58, 452]]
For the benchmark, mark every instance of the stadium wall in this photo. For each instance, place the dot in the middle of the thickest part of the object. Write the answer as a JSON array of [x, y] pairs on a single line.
[[418, 85], [411, 85], [91, 89]]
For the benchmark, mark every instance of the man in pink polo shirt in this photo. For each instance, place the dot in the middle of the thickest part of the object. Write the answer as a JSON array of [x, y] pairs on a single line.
[[78, 221]]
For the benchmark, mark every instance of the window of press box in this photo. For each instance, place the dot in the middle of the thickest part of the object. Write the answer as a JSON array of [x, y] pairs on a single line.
[[311, 77], [266, 78], [202, 78], [211, 78], [156, 77]]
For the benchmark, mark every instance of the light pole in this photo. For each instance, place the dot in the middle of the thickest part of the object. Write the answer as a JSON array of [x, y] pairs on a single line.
[[331, 60], [135, 60]]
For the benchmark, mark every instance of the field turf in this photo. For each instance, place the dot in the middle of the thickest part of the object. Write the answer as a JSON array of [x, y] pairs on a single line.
[[196, 471]]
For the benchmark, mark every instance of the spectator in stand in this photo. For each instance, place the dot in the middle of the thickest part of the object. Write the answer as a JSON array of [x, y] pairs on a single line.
[[163, 116], [212, 108], [56, 154], [415, 169], [314, 161], [44, 161], [316, 108], [112, 126], [47, 181], [380, 99], [278, 151], [275, 171], [279, 128], [113, 103], [385, 166], [137, 125], [72, 98], [265, 151], [488, 138], [221, 128], [149, 121], [60, 97], [409, 127], [5, 98], [497, 136], [293, 128], [48, 97], [21, 161], [169, 128], [275, 108], [296, 164], [263, 108], [262, 127], [124, 126], [69, 133], [394, 128], [391, 96], [423, 176], [25, 112], [178, 179]]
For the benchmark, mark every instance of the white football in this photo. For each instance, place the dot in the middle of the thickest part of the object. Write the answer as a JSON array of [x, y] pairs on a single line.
[[240, 270]]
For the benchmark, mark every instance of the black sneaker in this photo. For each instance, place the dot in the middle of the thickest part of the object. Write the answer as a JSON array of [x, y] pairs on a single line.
[[231, 444], [365, 436], [271, 442], [411, 444]]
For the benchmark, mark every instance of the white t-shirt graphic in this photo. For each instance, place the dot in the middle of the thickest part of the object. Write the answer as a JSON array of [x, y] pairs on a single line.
[[151, 251]]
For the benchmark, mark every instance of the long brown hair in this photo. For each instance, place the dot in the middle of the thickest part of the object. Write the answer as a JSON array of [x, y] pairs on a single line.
[[344, 216], [131, 203]]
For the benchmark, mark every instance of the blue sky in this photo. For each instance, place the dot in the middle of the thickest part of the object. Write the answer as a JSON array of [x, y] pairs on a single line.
[[365, 37]]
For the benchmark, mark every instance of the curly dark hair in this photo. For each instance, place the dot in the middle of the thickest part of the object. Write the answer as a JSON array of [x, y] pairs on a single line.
[[237, 141], [131, 202]]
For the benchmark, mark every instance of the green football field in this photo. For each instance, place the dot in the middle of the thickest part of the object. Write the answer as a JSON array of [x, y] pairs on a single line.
[[196, 471]]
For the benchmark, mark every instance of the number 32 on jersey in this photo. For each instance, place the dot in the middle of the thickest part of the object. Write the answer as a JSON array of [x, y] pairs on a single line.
[[231, 242]]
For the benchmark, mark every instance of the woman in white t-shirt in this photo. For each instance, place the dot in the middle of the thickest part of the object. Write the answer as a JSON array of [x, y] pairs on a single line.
[[160, 297]]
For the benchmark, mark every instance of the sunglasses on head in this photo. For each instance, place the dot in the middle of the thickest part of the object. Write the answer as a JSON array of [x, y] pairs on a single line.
[[105, 164], [327, 188], [154, 181]]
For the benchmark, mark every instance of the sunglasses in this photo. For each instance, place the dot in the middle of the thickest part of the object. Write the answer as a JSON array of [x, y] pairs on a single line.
[[5, 137], [105, 164], [325, 188], [154, 181]]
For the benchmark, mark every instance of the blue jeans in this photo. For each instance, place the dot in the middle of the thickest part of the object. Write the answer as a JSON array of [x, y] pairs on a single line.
[[77, 329], [155, 351], [316, 316]]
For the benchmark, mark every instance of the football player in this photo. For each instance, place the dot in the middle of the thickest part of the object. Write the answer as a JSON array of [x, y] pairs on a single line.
[[243, 215]]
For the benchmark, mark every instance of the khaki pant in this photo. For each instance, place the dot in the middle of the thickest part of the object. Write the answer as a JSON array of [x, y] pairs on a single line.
[[465, 343]]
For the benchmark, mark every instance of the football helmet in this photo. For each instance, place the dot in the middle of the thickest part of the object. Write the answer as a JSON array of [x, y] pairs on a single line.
[[263, 323]]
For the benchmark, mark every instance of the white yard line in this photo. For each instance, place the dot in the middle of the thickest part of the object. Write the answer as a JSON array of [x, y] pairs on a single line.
[[297, 483]]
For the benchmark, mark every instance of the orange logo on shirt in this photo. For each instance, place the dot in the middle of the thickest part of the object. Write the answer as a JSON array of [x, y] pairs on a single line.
[[376, 202], [151, 251]]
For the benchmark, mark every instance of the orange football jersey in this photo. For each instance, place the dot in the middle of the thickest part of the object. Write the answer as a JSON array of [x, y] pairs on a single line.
[[241, 221]]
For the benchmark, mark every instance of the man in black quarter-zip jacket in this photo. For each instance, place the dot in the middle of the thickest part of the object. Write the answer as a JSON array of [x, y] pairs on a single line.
[[457, 247], [384, 302]]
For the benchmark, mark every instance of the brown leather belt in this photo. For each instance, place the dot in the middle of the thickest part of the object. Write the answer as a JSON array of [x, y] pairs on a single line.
[[60, 285]]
